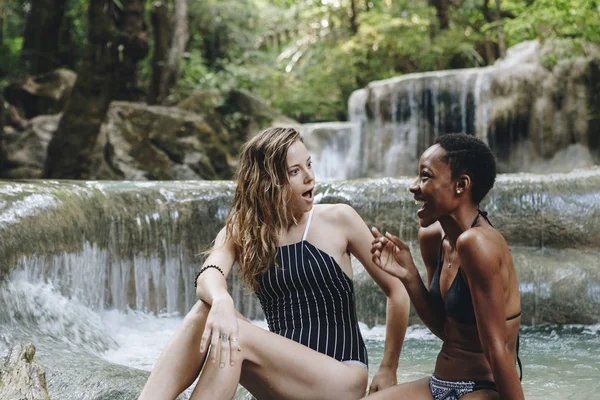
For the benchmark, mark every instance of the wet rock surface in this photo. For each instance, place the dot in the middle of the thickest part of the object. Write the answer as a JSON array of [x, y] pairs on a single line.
[[22, 378]]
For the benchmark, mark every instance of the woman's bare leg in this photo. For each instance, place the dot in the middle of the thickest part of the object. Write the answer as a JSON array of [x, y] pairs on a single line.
[[416, 390], [216, 382], [279, 368], [181, 361], [269, 365]]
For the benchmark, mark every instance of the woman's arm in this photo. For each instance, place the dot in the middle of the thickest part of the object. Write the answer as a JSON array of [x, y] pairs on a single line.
[[480, 261], [211, 287], [432, 311], [398, 304], [394, 257]]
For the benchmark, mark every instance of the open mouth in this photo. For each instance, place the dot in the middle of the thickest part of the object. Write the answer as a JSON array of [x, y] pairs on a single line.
[[308, 195], [422, 203]]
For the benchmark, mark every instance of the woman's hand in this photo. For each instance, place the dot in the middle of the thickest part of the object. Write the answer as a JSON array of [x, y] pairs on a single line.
[[221, 332], [383, 379], [393, 256]]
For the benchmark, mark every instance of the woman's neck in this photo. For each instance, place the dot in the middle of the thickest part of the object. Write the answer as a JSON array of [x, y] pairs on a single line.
[[297, 219], [459, 221]]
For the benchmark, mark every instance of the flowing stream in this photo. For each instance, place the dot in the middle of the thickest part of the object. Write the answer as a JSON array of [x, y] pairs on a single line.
[[90, 354], [98, 275]]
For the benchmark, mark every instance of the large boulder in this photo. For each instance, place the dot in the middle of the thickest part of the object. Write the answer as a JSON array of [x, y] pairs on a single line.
[[24, 152], [136, 142], [22, 378], [198, 139], [234, 114], [43, 94], [140, 142]]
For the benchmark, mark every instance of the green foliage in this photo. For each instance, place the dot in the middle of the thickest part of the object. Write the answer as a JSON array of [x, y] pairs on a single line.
[[12, 15], [571, 24], [303, 57], [222, 29], [10, 51], [543, 19], [13, 18]]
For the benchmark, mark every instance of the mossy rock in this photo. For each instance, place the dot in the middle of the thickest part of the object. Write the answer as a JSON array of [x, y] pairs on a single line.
[[234, 115]]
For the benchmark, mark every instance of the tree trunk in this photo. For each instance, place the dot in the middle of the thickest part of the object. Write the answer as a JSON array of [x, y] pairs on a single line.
[[70, 148], [179, 42], [501, 39], [68, 49], [442, 11], [3, 153], [41, 44], [1, 30], [1, 116], [132, 47], [490, 48], [353, 17], [161, 27], [490, 52]]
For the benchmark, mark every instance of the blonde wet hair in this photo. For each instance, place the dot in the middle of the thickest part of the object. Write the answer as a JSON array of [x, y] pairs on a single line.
[[260, 203]]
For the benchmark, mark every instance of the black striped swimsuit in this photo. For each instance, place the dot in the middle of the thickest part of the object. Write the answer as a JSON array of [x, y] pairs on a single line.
[[308, 298]]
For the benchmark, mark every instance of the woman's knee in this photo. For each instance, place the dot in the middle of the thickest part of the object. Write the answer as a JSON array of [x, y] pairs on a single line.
[[358, 390], [198, 313], [245, 333], [357, 386]]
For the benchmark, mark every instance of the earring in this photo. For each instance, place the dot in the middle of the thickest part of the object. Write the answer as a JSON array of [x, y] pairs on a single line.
[[457, 191]]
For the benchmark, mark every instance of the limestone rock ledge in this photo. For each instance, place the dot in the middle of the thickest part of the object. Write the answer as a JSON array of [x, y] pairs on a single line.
[[21, 378]]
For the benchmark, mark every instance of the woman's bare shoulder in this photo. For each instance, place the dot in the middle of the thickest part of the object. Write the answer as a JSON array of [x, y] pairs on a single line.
[[339, 214], [334, 211], [431, 234]]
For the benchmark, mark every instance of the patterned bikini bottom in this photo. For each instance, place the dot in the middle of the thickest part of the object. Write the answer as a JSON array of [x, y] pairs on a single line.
[[454, 390]]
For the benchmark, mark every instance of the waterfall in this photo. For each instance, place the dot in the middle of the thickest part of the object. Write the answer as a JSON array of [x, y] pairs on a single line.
[[138, 246], [335, 149], [89, 268], [535, 118]]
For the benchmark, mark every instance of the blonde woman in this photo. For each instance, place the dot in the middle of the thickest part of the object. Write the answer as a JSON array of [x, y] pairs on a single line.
[[296, 257]]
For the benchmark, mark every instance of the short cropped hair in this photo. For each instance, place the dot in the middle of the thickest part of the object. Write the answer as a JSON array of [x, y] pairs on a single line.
[[465, 154]]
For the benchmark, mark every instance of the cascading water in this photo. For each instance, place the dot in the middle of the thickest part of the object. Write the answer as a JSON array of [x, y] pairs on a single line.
[[97, 275], [335, 148], [534, 118]]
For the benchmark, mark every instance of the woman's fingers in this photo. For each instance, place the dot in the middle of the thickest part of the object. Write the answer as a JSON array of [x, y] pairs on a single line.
[[395, 240], [376, 257], [235, 347], [204, 342], [376, 246], [375, 232], [214, 346], [224, 350]]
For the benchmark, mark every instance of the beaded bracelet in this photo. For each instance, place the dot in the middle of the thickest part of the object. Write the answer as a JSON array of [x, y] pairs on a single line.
[[204, 269]]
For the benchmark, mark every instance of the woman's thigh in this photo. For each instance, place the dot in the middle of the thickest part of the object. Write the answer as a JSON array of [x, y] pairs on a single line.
[[279, 368], [416, 390]]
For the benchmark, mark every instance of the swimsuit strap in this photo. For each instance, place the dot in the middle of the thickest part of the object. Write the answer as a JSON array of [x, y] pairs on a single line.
[[441, 253], [484, 214], [308, 223], [519, 360]]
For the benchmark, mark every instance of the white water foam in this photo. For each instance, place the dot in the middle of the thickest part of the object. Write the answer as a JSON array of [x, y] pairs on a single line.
[[40, 308]]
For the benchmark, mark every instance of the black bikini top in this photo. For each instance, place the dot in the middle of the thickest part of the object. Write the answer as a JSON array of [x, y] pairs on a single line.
[[458, 303]]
